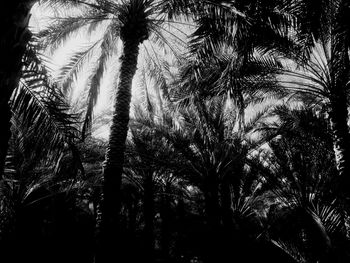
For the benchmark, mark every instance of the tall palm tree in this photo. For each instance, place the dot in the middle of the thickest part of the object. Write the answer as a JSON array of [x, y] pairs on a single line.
[[132, 22]]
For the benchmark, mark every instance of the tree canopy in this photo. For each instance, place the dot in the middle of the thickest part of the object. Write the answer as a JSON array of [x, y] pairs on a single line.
[[228, 131]]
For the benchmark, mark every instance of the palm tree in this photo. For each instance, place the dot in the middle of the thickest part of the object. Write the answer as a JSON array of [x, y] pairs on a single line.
[[213, 160], [305, 219], [321, 32], [153, 163], [292, 28], [132, 22]]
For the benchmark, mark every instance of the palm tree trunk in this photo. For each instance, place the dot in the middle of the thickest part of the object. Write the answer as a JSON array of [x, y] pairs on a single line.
[[113, 166], [338, 117], [14, 19], [212, 207], [227, 235], [338, 113], [212, 203], [148, 205], [226, 202], [166, 217], [132, 214]]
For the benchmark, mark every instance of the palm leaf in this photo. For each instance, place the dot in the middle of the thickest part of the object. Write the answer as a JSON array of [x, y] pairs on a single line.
[[94, 84], [40, 110]]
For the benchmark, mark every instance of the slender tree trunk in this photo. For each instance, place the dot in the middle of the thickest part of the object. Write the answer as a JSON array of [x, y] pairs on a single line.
[[211, 199], [113, 166], [212, 207], [14, 19], [338, 117], [148, 205], [132, 214], [165, 214], [97, 211], [338, 113], [180, 244], [226, 202]]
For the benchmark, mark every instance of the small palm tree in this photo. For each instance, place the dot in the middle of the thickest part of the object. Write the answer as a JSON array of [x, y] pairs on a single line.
[[213, 159], [313, 80], [320, 68], [153, 164], [305, 217]]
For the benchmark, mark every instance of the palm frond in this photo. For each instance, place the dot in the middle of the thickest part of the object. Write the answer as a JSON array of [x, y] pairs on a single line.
[[61, 29], [93, 87], [290, 249], [243, 25], [41, 111], [70, 71]]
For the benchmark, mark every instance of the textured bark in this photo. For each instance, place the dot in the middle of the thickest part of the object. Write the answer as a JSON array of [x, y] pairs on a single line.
[[113, 166], [14, 18]]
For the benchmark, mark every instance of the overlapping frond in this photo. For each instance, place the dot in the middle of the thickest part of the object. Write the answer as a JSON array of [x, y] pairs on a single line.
[[224, 75], [291, 250], [245, 25], [302, 180], [41, 111]]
